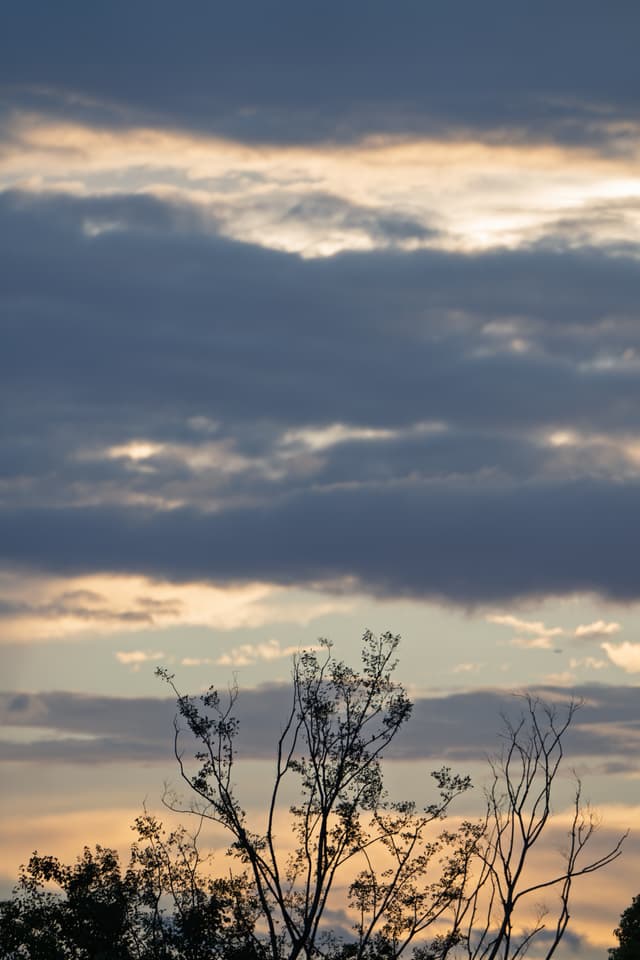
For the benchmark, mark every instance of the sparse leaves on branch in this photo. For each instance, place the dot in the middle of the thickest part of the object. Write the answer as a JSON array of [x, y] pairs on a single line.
[[333, 740], [410, 883]]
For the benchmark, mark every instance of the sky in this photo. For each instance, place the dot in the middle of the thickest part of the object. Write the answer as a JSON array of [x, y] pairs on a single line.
[[316, 318]]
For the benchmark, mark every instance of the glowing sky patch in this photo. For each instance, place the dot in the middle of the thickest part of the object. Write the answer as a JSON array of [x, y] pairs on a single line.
[[459, 195]]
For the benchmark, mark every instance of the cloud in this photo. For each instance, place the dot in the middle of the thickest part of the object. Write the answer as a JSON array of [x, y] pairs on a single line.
[[306, 302], [588, 663], [467, 667], [302, 73], [624, 655], [533, 643], [535, 627], [435, 540], [600, 628], [36, 607], [287, 480], [245, 655], [409, 303], [535, 634], [112, 728], [135, 658], [457, 727], [248, 653], [335, 219], [317, 200], [530, 633]]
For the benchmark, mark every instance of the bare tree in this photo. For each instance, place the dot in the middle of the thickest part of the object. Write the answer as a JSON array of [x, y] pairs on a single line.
[[338, 727], [519, 811]]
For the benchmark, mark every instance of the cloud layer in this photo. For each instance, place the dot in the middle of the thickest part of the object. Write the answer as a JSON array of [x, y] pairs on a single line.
[[331, 71], [177, 405], [320, 298], [460, 728]]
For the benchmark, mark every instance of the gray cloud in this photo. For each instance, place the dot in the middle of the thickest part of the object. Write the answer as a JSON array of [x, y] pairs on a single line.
[[300, 72], [143, 331], [374, 339], [329, 212], [90, 607], [465, 543], [461, 727]]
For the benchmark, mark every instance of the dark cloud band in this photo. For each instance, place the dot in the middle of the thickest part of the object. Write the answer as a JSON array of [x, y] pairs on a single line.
[[143, 331], [160, 320], [304, 72], [462, 543], [462, 727]]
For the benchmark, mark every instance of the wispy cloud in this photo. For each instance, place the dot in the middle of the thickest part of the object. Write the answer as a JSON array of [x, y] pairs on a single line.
[[587, 663], [136, 658], [536, 627], [35, 608], [245, 655], [537, 635], [529, 633], [599, 628], [248, 653], [467, 667]]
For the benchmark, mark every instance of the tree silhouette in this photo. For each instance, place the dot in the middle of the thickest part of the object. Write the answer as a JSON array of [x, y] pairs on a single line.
[[391, 868], [464, 888], [164, 906], [332, 742], [628, 934]]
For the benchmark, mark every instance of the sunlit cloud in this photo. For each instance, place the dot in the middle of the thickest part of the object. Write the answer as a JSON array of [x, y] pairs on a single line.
[[200, 470], [136, 658], [323, 437], [459, 194], [624, 655], [38, 608], [599, 628], [245, 655], [533, 634], [535, 627], [616, 455], [563, 438], [249, 653], [135, 450], [541, 642]]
